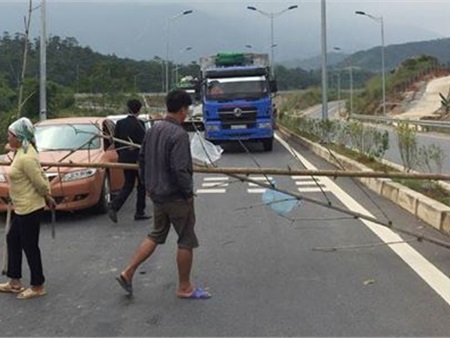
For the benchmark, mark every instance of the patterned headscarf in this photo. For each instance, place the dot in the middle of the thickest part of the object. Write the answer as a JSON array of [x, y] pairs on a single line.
[[23, 129]]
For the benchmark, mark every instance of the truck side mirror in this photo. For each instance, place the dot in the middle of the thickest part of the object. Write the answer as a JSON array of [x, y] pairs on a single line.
[[273, 86], [198, 87]]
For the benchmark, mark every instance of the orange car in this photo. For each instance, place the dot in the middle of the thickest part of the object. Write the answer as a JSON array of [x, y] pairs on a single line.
[[76, 140]]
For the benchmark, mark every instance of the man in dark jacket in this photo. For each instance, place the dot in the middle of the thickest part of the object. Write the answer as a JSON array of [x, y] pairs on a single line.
[[166, 165], [129, 129]]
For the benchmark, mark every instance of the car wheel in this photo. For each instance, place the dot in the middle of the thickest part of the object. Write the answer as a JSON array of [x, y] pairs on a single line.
[[105, 196]]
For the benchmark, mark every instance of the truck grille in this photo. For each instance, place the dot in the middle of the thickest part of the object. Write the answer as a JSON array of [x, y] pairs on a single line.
[[236, 115]]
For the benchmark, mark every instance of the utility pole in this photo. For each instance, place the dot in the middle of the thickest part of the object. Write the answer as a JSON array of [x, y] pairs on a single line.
[[324, 61], [271, 16], [380, 20], [167, 44], [43, 66]]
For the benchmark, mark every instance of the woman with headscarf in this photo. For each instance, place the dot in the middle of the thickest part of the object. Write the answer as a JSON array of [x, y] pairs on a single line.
[[29, 190]]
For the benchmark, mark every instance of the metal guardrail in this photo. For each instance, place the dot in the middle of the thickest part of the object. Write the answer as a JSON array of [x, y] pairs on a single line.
[[395, 121]]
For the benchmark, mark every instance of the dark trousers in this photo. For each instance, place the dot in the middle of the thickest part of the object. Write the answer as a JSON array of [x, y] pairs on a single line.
[[130, 181], [24, 235]]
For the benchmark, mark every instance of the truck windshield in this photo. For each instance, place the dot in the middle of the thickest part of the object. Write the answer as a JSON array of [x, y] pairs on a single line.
[[249, 87]]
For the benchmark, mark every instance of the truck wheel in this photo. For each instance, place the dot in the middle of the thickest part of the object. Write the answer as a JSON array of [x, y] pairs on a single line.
[[268, 144]]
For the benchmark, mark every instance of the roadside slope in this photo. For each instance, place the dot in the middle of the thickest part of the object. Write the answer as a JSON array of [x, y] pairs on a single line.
[[429, 102]]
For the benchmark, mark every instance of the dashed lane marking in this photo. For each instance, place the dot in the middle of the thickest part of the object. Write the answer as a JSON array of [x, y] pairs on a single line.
[[214, 185], [258, 190]]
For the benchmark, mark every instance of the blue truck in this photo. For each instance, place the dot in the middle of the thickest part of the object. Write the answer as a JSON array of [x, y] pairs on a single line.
[[236, 95]]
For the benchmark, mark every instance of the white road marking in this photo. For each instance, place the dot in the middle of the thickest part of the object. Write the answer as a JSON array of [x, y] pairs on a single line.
[[435, 278], [261, 190], [305, 178], [216, 178], [256, 191], [312, 189], [211, 191], [311, 183], [260, 178], [214, 184]]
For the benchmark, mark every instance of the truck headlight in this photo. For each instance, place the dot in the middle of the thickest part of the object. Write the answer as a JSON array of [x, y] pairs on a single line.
[[78, 175]]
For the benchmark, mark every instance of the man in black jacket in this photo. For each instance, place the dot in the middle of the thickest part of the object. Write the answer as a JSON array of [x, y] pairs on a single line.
[[166, 165], [129, 129]]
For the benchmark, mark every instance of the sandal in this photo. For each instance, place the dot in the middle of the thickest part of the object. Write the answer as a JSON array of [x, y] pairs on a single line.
[[7, 287], [197, 293], [30, 293], [126, 285]]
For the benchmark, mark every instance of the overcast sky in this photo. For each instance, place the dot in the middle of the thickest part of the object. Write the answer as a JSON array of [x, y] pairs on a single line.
[[137, 28]]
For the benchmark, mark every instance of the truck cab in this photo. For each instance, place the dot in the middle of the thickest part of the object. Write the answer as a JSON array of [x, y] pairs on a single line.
[[236, 96]]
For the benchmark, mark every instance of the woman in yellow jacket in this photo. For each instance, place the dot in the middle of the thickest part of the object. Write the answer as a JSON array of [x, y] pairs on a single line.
[[29, 190]]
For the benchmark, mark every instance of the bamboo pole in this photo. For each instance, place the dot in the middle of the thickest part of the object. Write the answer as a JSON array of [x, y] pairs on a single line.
[[419, 237], [262, 171], [233, 172]]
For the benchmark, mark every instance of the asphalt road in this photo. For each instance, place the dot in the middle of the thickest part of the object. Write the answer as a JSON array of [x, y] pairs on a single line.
[[265, 275], [423, 140]]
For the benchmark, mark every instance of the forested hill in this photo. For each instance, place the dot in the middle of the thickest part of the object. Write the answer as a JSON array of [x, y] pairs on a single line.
[[85, 71], [394, 55], [80, 68], [371, 59]]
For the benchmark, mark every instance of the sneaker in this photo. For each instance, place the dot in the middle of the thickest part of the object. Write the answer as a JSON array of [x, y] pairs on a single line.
[[112, 213], [138, 217]]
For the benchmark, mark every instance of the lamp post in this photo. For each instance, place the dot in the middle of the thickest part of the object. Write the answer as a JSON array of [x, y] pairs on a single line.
[[379, 19], [323, 24], [43, 66], [272, 16], [177, 66], [167, 43], [338, 73], [161, 61], [351, 80]]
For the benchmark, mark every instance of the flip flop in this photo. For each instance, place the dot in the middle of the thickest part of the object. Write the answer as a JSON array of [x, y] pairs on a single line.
[[30, 293], [7, 287], [127, 286], [197, 294]]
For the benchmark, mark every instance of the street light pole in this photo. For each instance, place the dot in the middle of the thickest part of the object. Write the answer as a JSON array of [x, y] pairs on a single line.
[[272, 16], [43, 66], [351, 80], [323, 20], [383, 73], [338, 73], [177, 66], [167, 44]]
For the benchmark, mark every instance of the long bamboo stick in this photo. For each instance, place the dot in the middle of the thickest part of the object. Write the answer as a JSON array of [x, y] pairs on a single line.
[[262, 171], [236, 172]]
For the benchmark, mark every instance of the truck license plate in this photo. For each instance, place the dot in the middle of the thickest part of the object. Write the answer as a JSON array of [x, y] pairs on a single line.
[[238, 126]]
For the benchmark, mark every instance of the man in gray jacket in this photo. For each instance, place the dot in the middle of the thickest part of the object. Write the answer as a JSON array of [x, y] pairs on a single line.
[[166, 167]]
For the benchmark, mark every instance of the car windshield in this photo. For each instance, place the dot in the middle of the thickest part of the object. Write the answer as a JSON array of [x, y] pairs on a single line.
[[249, 87], [67, 137]]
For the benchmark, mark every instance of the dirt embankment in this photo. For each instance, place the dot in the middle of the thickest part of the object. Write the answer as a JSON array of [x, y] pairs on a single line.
[[424, 101]]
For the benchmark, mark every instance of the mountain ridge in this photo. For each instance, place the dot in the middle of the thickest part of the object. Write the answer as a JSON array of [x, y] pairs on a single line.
[[370, 59]]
